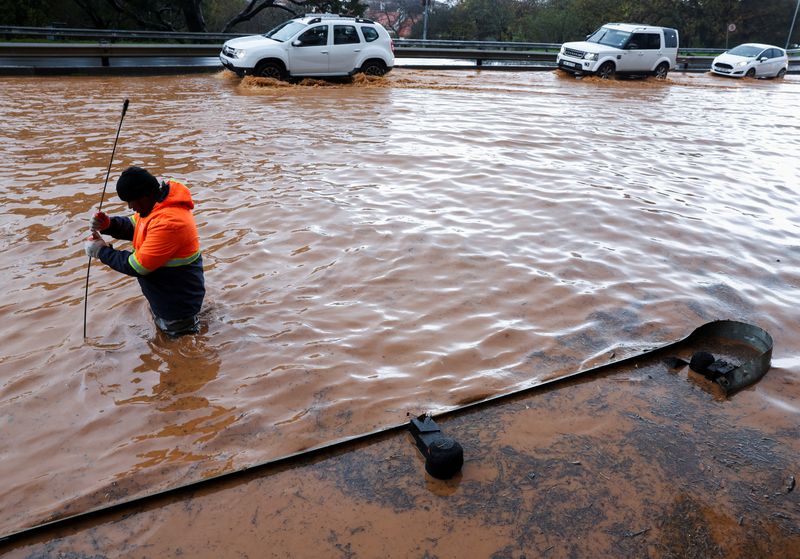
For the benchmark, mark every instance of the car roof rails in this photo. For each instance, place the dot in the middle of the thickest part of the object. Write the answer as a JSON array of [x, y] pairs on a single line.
[[319, 17], [325, 15]]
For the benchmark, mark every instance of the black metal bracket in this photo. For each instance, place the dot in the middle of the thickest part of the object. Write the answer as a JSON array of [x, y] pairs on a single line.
[[444, 457]]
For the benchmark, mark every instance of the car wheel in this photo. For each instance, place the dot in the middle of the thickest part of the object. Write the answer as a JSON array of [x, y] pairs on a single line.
[[662, 70], [781, 73], [751, 73], [373, 68], [270, 69], [606, 71]]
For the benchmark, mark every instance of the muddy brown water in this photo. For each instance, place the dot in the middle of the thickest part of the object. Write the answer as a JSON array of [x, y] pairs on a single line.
[[374, 250]]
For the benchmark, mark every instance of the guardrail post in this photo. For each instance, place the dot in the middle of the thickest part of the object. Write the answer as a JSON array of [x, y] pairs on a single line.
[[104, 59]]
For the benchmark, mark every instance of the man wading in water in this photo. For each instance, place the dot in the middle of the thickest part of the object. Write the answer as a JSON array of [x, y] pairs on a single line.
[[166, 248]]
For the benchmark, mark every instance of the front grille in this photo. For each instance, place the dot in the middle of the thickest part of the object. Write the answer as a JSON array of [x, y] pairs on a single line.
[[227, 51], [574, 53], [723, 66]]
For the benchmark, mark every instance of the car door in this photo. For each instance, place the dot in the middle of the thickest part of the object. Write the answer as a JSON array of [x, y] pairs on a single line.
[[345, 49], [309, 53], [764, 63], [774, 61], [641, 52]]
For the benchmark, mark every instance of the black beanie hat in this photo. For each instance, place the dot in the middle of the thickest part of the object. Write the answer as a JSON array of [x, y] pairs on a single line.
[[135, 183]]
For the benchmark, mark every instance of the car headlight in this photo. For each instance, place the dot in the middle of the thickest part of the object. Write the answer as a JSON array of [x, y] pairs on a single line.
[[237, 53], [590, 56], [742, 63], [562, 50]]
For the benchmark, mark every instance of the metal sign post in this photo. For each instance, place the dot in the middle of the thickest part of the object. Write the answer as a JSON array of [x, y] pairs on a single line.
[[427, 3], [730, 29], [791, 28]]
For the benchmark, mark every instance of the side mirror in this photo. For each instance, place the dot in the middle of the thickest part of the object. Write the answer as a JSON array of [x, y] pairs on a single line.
[[763, 59], [297, 43]]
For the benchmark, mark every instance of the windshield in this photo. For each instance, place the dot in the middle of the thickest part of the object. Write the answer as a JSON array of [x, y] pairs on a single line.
[[609, 37], [748, 51], [285, 31]]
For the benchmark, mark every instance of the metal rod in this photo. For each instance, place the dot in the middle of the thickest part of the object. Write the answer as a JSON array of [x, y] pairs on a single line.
[[99, 209], [425, 4], [791, 28]]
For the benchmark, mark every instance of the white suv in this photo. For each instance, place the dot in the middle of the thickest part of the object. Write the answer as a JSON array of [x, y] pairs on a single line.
[[316, 45], [622, 48]]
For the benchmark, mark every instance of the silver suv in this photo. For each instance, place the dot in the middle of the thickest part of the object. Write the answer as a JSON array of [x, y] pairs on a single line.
[[622, 48], [316, 45]]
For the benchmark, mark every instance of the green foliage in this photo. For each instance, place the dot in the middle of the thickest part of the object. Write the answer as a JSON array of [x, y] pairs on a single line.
[[34, 13], [700, 22]]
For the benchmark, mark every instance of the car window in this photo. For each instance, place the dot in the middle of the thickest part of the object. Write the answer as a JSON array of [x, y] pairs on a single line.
[[653, 41], [609, 37], [670, 39], [370, 34], [775, 53], [314, 37], [345, 35], [747, 51], [284, 31], [637, 41]]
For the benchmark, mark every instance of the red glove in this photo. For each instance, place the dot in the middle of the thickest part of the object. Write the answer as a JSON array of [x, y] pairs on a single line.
[[100, 222]]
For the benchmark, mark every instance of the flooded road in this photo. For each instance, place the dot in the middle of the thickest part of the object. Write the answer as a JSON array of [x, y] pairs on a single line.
[[373, 250]]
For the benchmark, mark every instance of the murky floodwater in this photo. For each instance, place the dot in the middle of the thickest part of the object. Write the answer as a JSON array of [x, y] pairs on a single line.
[[372, 250]]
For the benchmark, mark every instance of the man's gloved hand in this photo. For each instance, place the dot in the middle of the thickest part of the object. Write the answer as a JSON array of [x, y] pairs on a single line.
[[100, 221], [93, 245]]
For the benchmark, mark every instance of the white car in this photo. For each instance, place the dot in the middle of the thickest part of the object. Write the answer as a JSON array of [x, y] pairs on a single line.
[[622, 48], [752, 60], [316, 45]]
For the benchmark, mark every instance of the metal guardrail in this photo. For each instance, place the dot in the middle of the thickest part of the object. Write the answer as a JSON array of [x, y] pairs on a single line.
[[60, 33], [475, 45], [106, 51], [103, 50], [479, 51]]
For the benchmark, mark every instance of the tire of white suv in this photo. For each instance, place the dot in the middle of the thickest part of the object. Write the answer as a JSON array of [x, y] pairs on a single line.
[[661, 71], [606, 71], [270, 69], [373, 67]]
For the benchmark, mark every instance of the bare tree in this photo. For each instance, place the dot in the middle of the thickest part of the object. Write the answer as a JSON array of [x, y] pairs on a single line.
[[149, 15], [295, 8], [193, 15], [255, 6], [173, 15], [397, 15]]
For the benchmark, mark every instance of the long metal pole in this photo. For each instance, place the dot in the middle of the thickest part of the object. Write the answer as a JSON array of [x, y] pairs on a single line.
[[425, 20], [100, 208], [791, 29]]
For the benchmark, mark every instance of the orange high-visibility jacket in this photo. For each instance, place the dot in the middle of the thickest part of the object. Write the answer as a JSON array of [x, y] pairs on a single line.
[[168, 235], [166, 258]]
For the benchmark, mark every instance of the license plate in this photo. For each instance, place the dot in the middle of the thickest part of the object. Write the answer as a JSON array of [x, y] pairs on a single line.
[[568, 63]]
